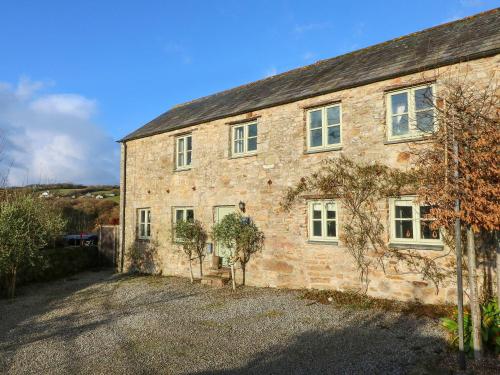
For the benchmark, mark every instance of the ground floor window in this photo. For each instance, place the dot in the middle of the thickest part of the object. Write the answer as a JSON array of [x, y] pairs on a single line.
[[323, 220], [412, 223], [144, 223], [182, 214]]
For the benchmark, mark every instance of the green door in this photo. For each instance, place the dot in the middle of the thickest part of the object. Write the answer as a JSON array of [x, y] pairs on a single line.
[[223, 252]]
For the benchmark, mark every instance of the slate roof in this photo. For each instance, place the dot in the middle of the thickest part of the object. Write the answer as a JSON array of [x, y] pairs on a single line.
[[466, 39]]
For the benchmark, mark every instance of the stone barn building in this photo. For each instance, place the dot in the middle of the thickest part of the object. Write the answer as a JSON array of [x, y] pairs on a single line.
[[245, 146]]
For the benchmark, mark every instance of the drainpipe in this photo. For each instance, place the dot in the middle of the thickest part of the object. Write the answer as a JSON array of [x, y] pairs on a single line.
[[123, 201]]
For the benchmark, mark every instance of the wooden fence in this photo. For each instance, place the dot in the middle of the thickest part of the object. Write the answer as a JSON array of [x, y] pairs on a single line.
[[109, 244]]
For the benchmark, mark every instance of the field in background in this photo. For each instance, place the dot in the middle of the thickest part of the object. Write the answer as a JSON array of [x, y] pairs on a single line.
[[83, 207]]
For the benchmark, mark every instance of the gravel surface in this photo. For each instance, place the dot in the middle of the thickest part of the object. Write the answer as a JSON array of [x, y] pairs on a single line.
[[100, 323]]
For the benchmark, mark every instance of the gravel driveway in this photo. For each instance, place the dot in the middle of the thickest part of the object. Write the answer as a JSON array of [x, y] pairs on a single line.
[[99, 323]]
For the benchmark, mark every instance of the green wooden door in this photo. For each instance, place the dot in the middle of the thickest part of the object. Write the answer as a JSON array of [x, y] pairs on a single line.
[[223, 252]]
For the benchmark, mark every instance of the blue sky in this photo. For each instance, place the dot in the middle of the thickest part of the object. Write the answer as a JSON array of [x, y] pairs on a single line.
[[111, 66]]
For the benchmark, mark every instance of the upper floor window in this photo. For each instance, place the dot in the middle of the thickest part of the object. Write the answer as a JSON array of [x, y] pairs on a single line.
[[244, 139], [411, 112], [412, 223], [182, 214], [323, 220], [144, 223], [324, 127], [183, 151]]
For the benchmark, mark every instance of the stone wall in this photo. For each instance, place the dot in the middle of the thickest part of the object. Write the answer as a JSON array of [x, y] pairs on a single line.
[[288, 259]]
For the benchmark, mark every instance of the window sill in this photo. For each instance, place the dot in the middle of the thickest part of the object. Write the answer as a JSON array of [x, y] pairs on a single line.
[[406, 140], [415, 246], [319, 242], [184, 169], [143, 239], [313, 151], [246, 155]]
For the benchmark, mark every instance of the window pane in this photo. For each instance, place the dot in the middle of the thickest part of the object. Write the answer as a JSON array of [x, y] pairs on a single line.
[[149, 216], [317, 211], [180, 145], [252, 130], [143, 216], [252, 144], [148, 230], [238, 146], [399, 125], [399, 103], [189, 215], [316, 119], [423, 98], [238, 132], [331, 229], [427, 232], [404, 212], [316, 137], [404, 229], [333, 115], [188, 157], [330, 213], [317, 228], [333, 135], [189, 143], [142, 230], [179, 215], [180, 159], [425, 121]]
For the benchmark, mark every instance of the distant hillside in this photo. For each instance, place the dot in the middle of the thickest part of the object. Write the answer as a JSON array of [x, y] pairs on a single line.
[[72, 191], [83, 207]]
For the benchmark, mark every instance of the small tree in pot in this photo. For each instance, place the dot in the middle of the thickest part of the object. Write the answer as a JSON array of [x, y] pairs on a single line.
[[193, 239], [240, 234]]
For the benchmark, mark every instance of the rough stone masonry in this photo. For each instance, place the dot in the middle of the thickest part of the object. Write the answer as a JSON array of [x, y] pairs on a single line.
[[216, 178]]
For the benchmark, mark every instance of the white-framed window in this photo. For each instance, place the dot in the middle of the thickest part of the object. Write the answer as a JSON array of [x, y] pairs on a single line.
[[182, 214], [183, 151], [324, 127], [244, 138], [144, 223], [323, 220], [411, 223], [411, 112]]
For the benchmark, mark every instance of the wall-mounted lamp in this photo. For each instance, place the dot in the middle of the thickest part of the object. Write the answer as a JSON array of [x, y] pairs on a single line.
[[241, 205]]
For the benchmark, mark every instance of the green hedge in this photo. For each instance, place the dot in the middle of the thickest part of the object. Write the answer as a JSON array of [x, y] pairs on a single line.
[[58, 262]]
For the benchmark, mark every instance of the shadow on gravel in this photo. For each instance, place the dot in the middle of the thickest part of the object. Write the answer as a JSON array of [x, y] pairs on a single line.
[[370, 348], [59, 312], [19, 316]]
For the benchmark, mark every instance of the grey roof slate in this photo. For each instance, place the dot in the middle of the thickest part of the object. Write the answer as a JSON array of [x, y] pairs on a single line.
[[466, 39]]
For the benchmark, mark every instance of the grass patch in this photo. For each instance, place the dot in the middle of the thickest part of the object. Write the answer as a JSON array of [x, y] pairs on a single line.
[[360, 301]]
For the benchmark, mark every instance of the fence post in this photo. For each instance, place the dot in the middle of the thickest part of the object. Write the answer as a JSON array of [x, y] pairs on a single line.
[[99, 246]]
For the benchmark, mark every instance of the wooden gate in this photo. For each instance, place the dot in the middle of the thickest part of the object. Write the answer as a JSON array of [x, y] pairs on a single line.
[[108, 245]]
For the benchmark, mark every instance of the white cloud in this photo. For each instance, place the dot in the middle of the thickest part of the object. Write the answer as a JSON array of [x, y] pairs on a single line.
[[53, 138], [65, 104], [26, 87]]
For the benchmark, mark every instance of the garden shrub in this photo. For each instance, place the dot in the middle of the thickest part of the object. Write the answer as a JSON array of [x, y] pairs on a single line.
[[490, 328], [55, 263]]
